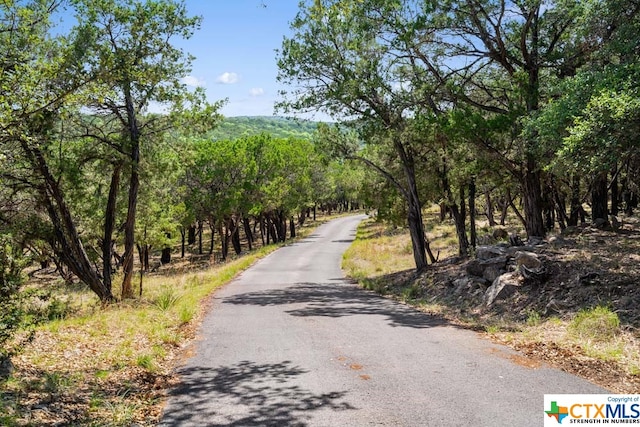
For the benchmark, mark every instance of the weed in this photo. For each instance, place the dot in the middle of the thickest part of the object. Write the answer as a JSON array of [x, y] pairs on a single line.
[[55, 382], [167, 299], [186, 314], [146, 361], [96, 402], [121, 413], [533, 318], [193, 281], [159, 351], [411, 292], [102, 374], [598, 323], [492, 329], [170, 337]]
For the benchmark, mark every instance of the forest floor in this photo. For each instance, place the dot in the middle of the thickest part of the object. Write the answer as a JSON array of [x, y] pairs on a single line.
[[583, 317]]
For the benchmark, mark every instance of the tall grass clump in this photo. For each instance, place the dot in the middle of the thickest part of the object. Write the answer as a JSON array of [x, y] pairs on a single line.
[[167, 298], [597, 324]]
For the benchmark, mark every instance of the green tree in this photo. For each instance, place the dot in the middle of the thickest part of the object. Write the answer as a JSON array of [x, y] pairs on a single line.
[[36, 84], [127, 46], [345, 58]]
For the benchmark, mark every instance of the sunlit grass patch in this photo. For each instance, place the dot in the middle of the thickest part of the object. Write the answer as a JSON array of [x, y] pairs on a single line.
[[598, 323], [377, 256]]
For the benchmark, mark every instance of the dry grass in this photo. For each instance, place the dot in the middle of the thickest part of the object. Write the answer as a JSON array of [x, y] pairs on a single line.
[[592, 342], [112, 365]]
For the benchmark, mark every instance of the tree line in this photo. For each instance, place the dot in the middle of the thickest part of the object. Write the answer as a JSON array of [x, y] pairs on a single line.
[[107, 154], [530, 104]]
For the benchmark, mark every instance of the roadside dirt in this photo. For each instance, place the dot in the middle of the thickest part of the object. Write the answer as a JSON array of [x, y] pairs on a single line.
[[586, 267]]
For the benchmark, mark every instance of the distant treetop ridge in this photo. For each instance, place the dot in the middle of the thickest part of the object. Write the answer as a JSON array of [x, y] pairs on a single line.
[[279, 127]]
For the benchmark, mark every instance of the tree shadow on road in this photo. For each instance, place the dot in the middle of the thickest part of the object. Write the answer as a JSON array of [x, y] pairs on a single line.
[[251, 394], [338, 300]]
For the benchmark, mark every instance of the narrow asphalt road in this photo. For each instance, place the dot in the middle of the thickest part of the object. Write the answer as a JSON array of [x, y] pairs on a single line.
[[291, 343]]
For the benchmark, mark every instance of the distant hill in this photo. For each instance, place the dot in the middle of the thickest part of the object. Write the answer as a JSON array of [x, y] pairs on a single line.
[[279, 127]]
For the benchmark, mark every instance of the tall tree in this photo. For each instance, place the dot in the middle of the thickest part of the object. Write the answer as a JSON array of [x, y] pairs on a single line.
[[36, 84], [343, 57], [127, 45]]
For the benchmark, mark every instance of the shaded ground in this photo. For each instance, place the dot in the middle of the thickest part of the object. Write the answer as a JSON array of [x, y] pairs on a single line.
[[586, 268]]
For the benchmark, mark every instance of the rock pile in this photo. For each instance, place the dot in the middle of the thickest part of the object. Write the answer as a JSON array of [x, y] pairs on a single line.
[[502, 269]]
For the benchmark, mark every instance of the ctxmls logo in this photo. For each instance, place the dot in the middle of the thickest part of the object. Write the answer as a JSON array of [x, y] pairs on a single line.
[[557, 412]]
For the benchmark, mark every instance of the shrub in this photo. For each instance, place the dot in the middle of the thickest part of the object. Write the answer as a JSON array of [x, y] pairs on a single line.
[[14, 315]]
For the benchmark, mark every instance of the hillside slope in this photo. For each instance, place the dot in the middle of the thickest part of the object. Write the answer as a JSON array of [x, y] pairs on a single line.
[[279, 127]]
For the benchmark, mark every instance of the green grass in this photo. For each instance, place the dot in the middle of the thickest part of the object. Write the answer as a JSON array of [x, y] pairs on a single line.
[[146, 361], [598, 323], [168, 298]]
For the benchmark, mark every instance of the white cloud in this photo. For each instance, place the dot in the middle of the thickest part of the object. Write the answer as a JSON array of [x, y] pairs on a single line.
[[227, 78], [256, 91], [193, 81]]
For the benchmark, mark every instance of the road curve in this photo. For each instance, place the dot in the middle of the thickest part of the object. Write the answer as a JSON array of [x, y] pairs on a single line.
[[291, 343]]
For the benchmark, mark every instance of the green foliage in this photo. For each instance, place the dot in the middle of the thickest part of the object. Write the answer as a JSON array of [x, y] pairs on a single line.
[[278, 127], [146, 361], [167, 298], [598, 324], [606, 131], [14, 313]]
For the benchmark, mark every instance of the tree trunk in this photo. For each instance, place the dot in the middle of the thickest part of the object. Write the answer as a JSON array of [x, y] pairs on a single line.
[[599, 198], [191, 239], [443, 211], [292, 228], [248, 233], [532, 198], [515, 209], [134, 186], [234, 226], [66, 242], [561, 208], [263, 234], [576, 205], [200, 232], [472, 213], [224, 237], [414, 213], [489, 208], [504, 203], [109, 225], [615, 193], [212, 242], [165, 257], [182, 241]]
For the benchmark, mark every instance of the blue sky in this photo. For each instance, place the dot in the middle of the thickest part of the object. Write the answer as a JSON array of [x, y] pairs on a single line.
[[235, 51]]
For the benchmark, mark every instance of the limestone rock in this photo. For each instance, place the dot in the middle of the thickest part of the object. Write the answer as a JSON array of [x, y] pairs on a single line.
[[601, 223], [535, 241], [488, 252], [474, 268], [491, 273], [528, 259], [504, 286]]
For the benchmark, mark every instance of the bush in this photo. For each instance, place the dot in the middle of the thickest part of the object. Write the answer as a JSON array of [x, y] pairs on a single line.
[[14, 315]]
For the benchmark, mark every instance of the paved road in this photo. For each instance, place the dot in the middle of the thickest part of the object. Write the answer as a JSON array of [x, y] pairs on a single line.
[[291, 343]]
